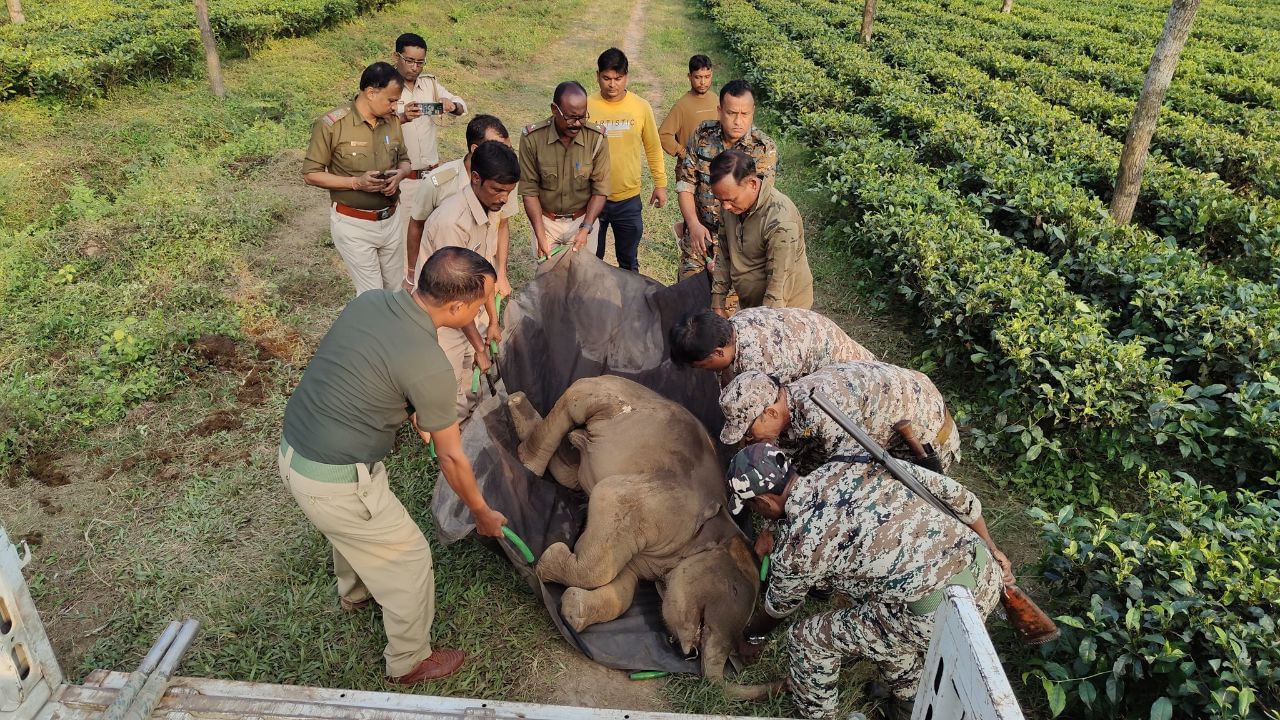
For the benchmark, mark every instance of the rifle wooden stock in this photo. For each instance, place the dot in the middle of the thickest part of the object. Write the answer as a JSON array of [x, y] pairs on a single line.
[[1031, 623]]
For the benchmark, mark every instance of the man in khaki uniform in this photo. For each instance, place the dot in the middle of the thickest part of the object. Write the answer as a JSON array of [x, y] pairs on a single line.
[[761, 237], [357, 153], [470, 219], [420, 129], [564, 172], [378, 366], [441, 184]]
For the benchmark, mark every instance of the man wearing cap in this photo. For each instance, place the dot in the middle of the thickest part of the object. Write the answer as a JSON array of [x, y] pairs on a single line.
[[784, 343], [422, 105], [564, 172], [852, 528], [471, 219], [357, 153], [379, 365], [442, 183], [875, 394]]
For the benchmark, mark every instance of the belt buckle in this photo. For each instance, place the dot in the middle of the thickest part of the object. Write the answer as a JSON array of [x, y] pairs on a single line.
[[384, 213], [568, 216]]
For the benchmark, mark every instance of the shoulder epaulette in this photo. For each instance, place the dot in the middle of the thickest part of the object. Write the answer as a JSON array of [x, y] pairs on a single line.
[[536, 126], [443, 175], [598, 128], [335, 115]]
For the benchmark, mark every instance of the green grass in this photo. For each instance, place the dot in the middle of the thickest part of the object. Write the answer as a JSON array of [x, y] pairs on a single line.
[[186, 213]]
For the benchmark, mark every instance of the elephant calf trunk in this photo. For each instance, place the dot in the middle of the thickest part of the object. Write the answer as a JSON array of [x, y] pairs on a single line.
[[762, 691]]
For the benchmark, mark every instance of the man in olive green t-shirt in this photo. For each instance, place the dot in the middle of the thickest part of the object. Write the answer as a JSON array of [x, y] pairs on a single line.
[[379, 365]]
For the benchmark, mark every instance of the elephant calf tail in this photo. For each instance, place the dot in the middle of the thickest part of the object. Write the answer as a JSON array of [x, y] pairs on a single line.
[[763, 691]]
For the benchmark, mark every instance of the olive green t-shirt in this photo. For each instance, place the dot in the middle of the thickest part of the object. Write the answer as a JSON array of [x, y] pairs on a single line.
[[378, 363]]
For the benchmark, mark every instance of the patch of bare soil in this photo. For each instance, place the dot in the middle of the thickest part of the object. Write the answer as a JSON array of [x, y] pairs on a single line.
[[218, 421], [631, 45], [586, 684], [44, 470], [216, 350]]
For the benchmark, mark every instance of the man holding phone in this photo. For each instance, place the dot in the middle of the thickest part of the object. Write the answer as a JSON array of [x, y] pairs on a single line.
[[358, 154], [422, 105]]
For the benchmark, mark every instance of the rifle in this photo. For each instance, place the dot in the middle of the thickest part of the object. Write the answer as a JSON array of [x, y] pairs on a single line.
[[926, 456], [1031, 623]]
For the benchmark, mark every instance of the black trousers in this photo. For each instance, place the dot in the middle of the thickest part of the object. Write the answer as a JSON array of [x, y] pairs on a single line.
[[624, 217]]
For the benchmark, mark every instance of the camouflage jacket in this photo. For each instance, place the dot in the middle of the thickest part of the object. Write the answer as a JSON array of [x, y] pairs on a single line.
[[875, 395], [788, 343], [693, 168], [853, 528]]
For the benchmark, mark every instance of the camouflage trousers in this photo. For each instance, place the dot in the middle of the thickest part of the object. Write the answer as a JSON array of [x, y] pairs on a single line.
[[692, 263], [890, 636]]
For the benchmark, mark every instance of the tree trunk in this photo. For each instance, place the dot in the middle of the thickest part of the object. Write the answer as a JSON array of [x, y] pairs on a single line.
[[1006, 6], [1133, 159], [868, 18], [210, 49], [15, 12]]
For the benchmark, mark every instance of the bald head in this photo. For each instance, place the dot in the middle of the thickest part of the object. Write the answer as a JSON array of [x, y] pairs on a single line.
[[454, 274], [568, 88]]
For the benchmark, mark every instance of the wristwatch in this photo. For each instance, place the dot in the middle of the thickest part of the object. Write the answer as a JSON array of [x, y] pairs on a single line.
[[586, 226]]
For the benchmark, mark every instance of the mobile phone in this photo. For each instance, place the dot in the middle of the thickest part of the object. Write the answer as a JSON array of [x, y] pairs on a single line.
[[431, 108], [387, 174]]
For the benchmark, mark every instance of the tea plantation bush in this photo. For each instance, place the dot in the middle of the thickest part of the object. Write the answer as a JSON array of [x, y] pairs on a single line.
[[77, 49], [1169, 611]]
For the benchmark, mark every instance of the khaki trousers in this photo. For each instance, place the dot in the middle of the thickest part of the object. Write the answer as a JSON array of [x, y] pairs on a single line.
[[373, 250], [561, 232], [378, 551], [463, 358]]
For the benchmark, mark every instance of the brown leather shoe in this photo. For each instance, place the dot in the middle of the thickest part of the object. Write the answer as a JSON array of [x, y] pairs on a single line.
[[349, 606], [441, 663]]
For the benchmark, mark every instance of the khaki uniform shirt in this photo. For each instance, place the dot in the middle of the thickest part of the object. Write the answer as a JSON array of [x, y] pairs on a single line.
[[461, 221], [563, 178], [342, 143], [763, 255], [420, 135], [693, 168], [442, 183]]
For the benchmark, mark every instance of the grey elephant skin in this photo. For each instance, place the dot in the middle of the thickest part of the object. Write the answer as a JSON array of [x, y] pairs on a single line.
[[656, 511]]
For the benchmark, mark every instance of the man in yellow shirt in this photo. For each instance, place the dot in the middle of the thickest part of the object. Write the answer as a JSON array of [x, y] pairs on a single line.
[[628, 122], [691, 110]]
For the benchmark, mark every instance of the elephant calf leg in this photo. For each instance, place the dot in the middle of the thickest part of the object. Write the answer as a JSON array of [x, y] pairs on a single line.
[[524, 416], [583, 608]]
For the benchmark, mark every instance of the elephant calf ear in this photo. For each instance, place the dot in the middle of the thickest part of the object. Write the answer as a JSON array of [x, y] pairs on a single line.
[[709, 511]]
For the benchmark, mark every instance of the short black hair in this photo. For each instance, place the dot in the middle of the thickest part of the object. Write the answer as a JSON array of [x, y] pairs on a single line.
[[380, 75], [697, 334], [699, 62], [732, 162], [494, 160], [480, 126], [454, 274], [410, 40], [568, 86], [736, 88], [612, 59]]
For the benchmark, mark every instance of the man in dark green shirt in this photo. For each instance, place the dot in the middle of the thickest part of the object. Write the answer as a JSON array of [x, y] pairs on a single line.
[[379, 365]]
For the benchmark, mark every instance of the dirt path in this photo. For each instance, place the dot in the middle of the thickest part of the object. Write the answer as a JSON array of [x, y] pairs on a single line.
[[633, 45]]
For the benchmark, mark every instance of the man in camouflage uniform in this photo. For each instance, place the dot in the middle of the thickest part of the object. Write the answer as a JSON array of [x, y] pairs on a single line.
[[701, 211], [783, 343], [875, 394], [854, 529]]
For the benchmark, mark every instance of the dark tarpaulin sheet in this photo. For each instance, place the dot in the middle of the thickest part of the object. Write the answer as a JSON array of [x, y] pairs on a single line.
[[579, 318]]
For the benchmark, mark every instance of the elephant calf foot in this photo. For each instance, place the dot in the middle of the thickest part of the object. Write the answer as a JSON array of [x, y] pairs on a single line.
[[583, 608], [524, 416], [551, 566]]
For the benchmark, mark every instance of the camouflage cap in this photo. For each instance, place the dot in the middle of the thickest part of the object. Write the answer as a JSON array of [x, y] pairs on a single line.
[[757, 469], [742, 401]]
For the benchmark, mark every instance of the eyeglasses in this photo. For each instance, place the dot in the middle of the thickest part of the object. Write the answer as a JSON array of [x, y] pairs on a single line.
[[571, 119], [411, 61]]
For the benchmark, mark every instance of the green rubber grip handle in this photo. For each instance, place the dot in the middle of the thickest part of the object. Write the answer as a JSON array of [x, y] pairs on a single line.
[[497, 306], [493, 349], [431, 449], [764, 568], [515, 540], [475, 380], [648, 674]]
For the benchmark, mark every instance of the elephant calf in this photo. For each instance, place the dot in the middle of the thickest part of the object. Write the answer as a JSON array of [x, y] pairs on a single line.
[[656, 512]]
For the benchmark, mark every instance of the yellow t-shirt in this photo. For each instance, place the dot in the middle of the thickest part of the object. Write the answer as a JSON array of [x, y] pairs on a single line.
[[631, 129]]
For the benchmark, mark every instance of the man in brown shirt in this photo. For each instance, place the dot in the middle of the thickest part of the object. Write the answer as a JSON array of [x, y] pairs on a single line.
[[422, 107], [691, 110], [470, 219], [357, 153], [762, 238], [564, 172]]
